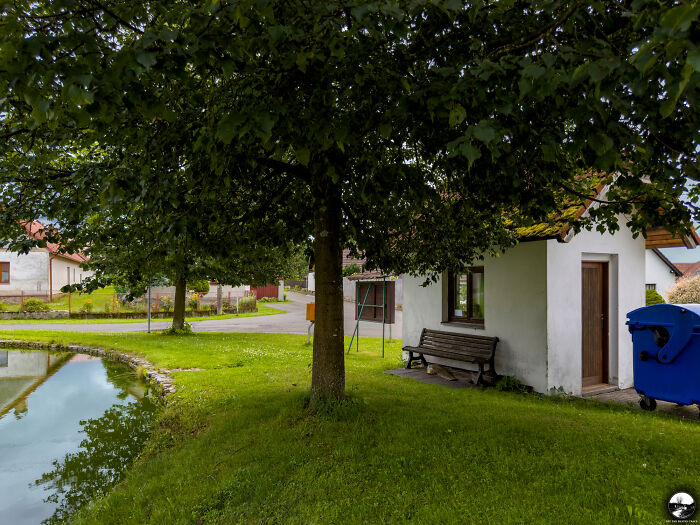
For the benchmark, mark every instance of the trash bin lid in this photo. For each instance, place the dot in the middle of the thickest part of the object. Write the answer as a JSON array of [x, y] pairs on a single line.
[[679, 319]]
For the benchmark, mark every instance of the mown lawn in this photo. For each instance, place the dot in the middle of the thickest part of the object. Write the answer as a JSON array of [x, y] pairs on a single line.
[[237, 445], [262, 310]]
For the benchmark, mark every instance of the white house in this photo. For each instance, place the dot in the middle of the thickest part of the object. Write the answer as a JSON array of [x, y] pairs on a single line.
[[661, 274], [557, 303], [41, 272]]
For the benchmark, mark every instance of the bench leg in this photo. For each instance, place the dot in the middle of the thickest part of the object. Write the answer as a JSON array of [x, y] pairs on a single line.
[[481, 372], [425, 363], [410, 358]]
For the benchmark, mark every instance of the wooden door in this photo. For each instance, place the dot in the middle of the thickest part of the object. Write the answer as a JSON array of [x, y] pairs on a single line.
[[594, 323]]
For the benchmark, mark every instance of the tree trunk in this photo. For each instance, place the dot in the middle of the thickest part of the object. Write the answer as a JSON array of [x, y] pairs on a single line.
[[179, 307], [328, 372], [219, 299]]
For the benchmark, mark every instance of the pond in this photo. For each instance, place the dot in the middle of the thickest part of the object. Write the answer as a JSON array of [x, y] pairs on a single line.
[[70, 425]]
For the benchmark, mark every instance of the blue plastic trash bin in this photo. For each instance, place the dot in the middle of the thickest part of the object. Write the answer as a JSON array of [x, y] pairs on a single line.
[[666, 342]]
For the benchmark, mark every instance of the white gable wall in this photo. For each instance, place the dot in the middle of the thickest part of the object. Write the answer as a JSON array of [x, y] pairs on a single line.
[[626, 266], [515, 304], [533, 304], [28, 272], [658, 273], [67, 271]]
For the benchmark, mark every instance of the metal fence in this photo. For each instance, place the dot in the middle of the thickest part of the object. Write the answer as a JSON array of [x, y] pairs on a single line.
[[115, 303]]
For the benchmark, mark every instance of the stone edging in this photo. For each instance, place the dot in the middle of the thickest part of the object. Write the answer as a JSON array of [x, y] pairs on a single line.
[[160, 381]]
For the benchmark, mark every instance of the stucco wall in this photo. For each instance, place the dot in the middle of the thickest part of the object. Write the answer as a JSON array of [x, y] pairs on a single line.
[[626, 261], [61, 268], [658, 273], [515, 304], [28, 273], [25, 364]]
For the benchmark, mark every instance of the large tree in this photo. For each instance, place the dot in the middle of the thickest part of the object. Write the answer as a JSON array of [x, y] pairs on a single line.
[[422, 132]]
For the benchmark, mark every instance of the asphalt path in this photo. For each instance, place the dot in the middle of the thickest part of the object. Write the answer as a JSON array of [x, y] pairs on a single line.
[[293, 321]]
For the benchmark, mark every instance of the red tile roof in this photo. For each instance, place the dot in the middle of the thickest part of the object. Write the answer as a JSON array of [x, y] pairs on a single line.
[[36, 231], [350, 260], [688, 269]]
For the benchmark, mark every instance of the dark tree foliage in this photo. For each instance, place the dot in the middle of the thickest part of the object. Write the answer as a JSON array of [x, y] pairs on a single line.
[[420, 132]]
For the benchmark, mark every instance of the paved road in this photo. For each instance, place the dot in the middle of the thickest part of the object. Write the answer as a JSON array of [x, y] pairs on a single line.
[[292, 322]]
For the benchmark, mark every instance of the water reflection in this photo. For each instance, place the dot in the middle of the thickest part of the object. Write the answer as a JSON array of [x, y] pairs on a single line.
[[79, 418], [112, 442]]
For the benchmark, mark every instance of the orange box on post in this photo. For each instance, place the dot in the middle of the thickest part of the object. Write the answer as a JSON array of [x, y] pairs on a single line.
[[311, 312]]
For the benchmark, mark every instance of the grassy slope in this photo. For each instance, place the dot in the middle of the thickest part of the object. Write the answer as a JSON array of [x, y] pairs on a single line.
[[236, 445], [262, 310]]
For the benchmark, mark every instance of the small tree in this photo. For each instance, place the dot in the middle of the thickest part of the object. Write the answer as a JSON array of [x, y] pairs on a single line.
[[654, 297], [685, 291]]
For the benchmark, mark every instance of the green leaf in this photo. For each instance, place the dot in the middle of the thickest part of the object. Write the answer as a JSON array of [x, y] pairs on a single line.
[[471, 152], [147, 60], [694, 59], [385, 130], [484, 132], [534, 71], [40, 111], [601, 143], [457, 115], [79, 96], [453, 5], [229, 127], [667, 107], [680, 17], [303, 155]]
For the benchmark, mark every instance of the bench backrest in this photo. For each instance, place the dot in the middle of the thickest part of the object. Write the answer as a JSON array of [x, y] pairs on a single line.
[[466, 344]]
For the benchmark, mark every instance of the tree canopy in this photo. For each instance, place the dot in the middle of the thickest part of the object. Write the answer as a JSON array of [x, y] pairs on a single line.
[[423, 133]]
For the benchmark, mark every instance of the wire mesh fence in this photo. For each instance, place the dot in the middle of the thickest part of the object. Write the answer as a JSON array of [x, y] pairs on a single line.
[[121, 304]]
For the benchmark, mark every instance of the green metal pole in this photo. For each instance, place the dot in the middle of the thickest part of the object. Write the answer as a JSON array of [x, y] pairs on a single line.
[[383, 314], [357, 324]]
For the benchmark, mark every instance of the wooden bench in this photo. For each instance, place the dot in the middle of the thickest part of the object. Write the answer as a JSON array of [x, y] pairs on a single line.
[[477, 349]]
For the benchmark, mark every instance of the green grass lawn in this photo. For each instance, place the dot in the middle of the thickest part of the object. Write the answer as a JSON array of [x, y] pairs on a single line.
[[262, 310], [236, 444]]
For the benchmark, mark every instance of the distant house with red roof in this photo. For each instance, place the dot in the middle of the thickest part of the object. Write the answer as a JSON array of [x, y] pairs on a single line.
[[41, 272], [661, 274], [689, 269]]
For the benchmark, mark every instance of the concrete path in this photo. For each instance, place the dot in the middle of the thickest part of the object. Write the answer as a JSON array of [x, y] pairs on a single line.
[[293, 321], [627, 396]]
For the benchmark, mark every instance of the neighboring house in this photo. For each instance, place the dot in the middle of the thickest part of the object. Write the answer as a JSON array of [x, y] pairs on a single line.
[[557, 301], [349, 284], [41, 272], [689, 269], [661, 274]]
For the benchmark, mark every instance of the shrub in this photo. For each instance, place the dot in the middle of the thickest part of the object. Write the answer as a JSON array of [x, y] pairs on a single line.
[[247, 304], [193, 301], [685, 291], [351, 269], [226, 304], [108, 307], [3, 307], [166, 303], [186, 330], [86, 308], [35, 305], [654, 297], [200, 286], [267, 300], [511, 384]]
